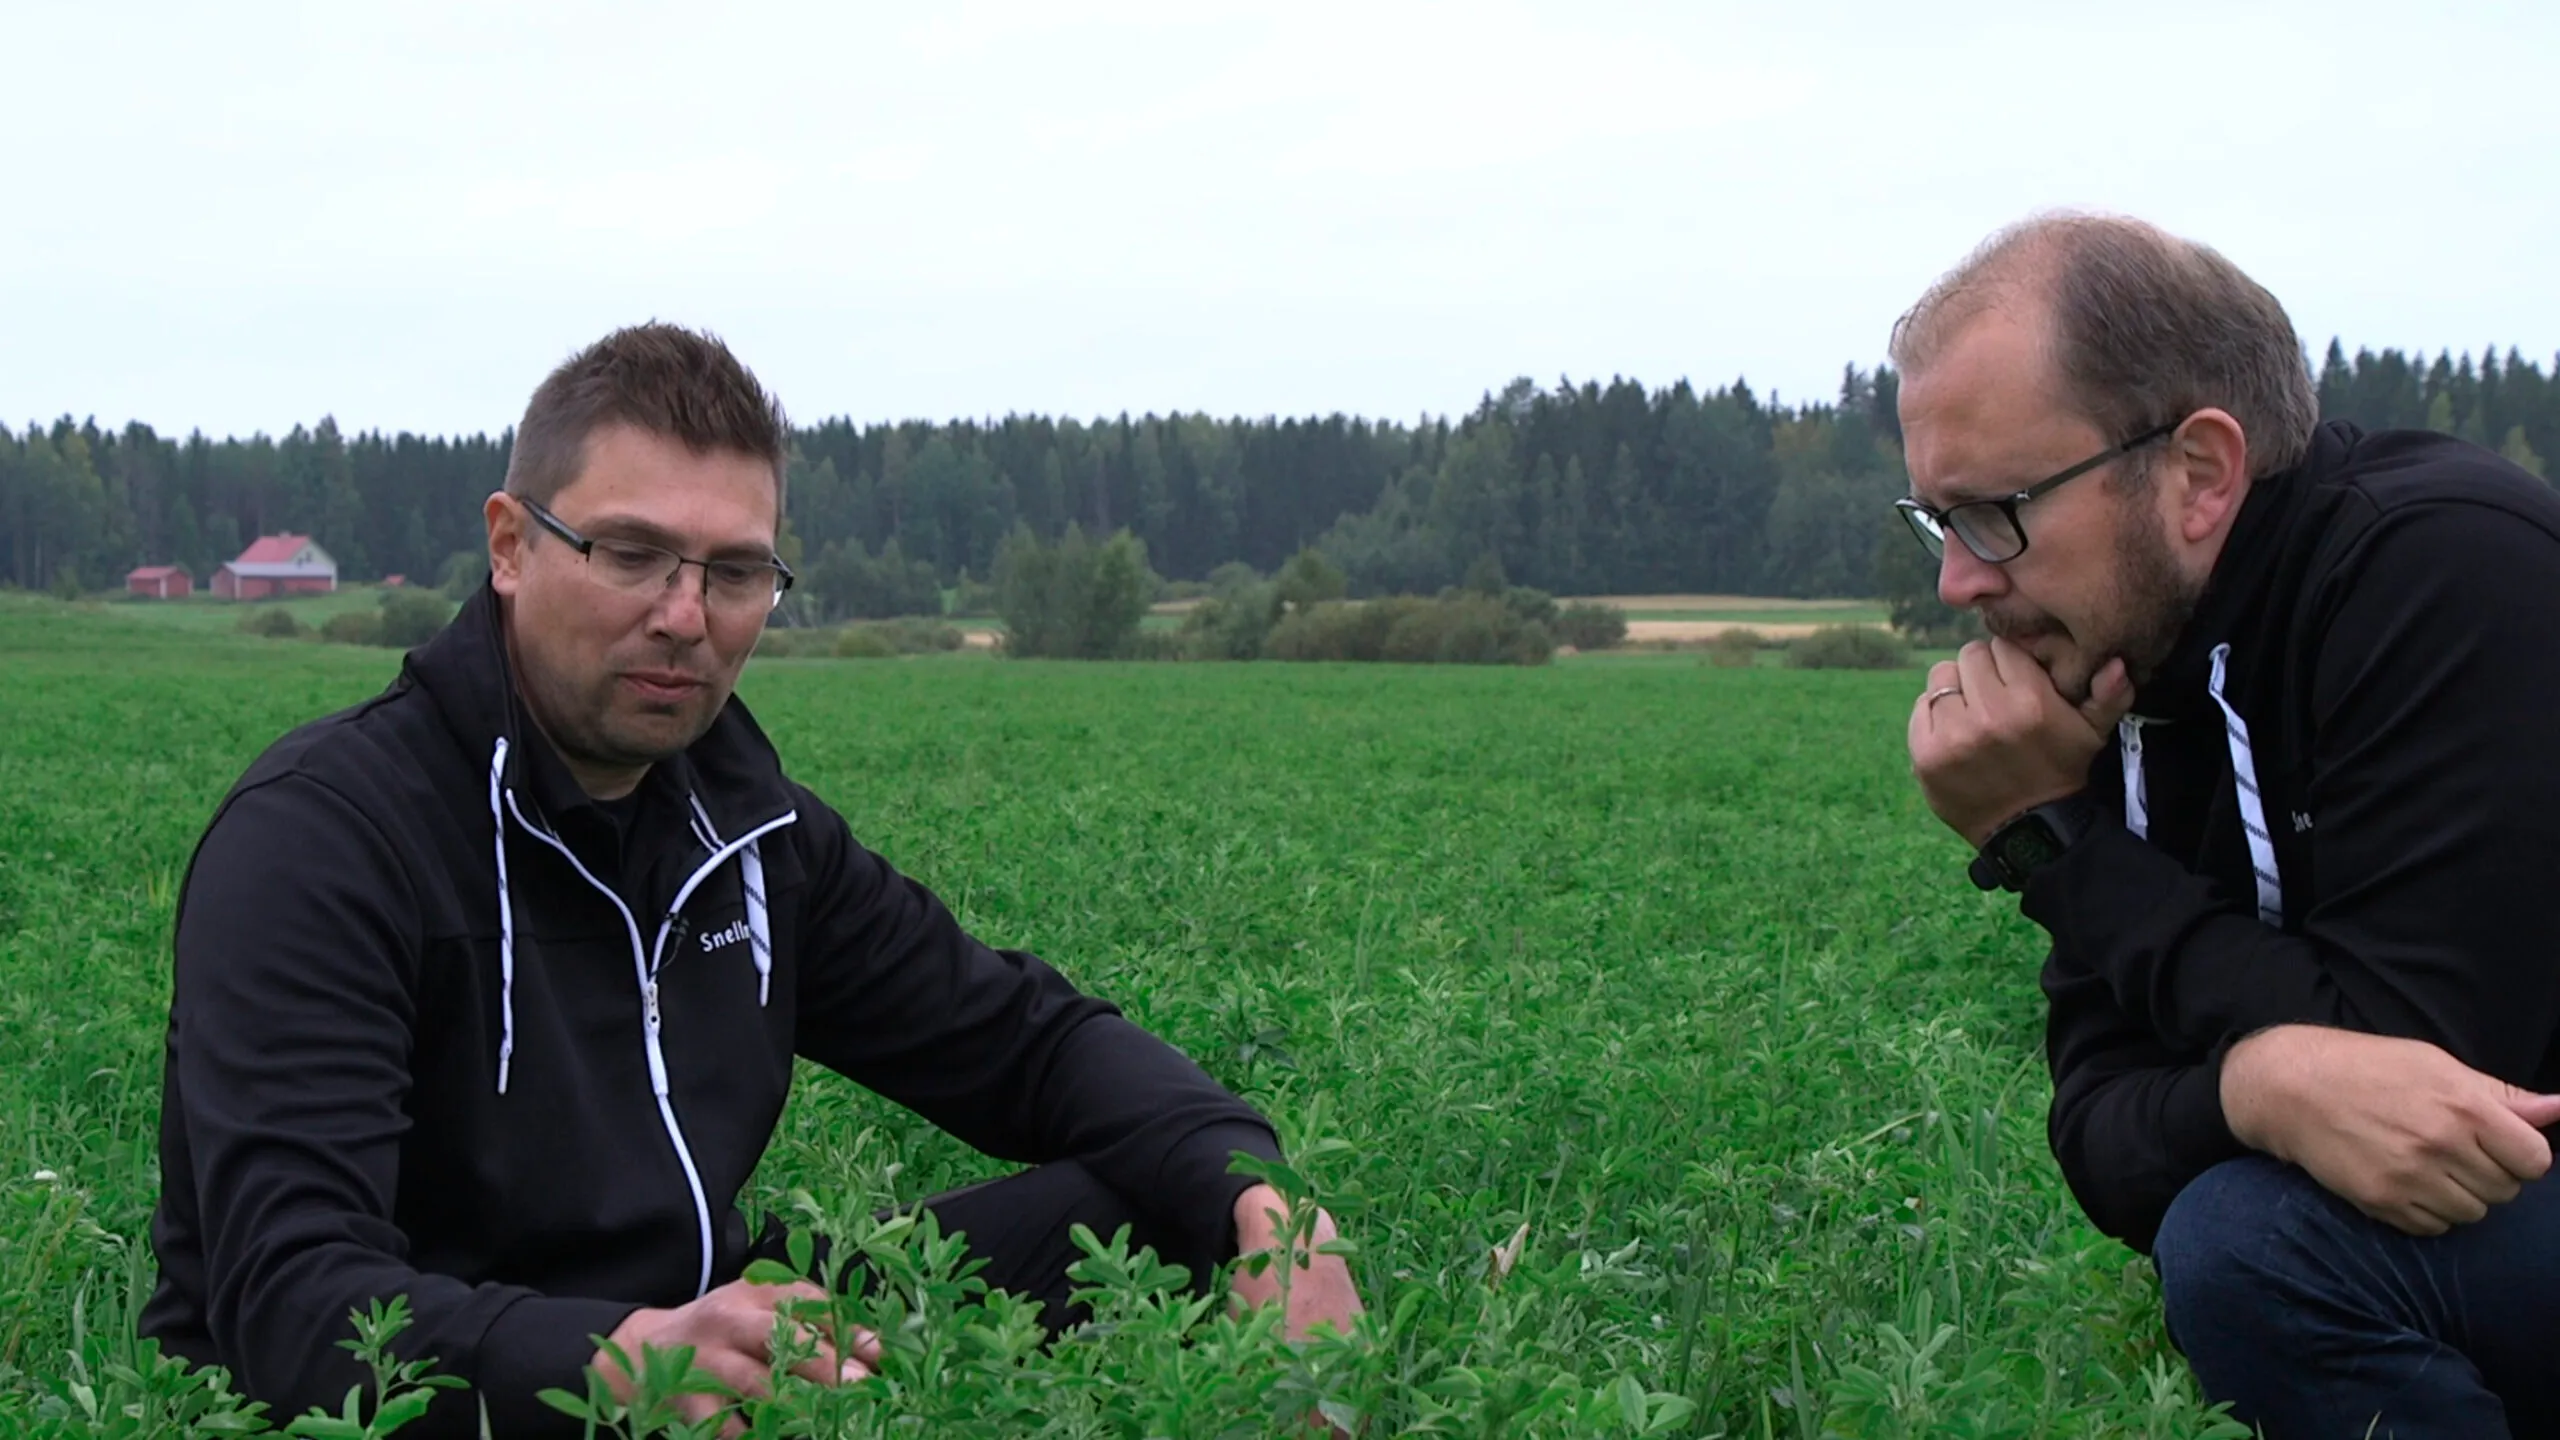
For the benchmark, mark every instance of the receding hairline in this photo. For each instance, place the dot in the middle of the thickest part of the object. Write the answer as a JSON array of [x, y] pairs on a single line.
[[2143, 326], [2025, 299], [2016, 271]]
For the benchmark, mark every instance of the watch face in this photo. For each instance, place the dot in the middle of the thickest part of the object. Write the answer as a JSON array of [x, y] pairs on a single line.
[[2028, 846]]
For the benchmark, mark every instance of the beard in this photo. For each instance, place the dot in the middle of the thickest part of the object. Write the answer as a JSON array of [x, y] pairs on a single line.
[[590, 719], [2140, 613]]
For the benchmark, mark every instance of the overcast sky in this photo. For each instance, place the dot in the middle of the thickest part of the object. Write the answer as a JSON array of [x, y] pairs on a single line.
[[241, 216]]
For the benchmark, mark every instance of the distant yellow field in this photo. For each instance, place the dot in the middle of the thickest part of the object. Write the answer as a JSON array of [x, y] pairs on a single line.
[[1679, 632], [1716, 602]]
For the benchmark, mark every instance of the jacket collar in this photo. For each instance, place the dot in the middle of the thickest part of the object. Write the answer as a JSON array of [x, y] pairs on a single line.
[[732, 770], [2249, 571]]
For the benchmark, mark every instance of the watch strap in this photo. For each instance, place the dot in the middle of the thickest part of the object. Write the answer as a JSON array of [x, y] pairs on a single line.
[[2047, 832]]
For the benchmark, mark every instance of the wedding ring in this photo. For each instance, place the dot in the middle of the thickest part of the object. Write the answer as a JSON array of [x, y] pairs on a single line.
[[1941, 693]]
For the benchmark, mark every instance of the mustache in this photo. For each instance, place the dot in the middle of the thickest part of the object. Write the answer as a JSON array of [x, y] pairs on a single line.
[[688, 661], [2020, 628]]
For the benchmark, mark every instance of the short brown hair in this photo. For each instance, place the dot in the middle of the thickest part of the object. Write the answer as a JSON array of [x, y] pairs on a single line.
[[2147, 329], [682, 384]]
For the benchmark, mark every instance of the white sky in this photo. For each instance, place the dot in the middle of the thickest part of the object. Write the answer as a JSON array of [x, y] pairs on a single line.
[[246, 215]]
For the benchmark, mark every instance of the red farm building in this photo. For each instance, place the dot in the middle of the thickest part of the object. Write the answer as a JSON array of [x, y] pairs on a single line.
[[160, 582], [277, 565]]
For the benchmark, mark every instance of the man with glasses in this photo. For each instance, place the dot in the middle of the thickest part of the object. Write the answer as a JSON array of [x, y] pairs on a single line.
[[488, 991], [2261, 738]]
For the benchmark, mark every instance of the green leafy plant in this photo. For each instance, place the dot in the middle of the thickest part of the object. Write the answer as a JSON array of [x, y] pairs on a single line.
[[1625, 1092], [401, 1392]]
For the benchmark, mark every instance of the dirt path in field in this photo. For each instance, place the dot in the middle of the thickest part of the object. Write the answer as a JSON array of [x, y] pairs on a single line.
[[1713, 602], [1680, 632]]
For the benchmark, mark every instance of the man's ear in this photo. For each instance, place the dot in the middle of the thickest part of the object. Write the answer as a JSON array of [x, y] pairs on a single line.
[[2208, 474], [506, 541]]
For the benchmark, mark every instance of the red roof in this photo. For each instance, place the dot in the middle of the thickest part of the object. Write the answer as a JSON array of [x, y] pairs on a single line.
[[272, 550], [155, 572]]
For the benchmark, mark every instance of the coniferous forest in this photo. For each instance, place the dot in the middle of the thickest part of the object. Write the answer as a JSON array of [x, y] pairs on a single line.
[[1577, 489]]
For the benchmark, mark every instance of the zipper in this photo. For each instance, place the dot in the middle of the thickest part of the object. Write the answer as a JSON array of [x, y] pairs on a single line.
[[645, 962], [2137, 787], [658, 1082]]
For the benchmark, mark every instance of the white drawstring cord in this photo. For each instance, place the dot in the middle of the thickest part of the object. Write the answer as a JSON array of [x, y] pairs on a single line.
[[506, 921], [2244, 776]]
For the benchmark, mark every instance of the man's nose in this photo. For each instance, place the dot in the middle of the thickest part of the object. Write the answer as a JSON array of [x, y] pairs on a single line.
[[683, 607], [1965, 580]]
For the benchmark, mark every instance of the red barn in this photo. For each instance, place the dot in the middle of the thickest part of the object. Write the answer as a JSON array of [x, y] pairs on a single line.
[[277, 565], [161, 582]]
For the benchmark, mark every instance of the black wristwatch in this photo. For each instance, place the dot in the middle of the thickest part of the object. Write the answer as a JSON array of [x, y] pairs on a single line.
[[2034, 840]]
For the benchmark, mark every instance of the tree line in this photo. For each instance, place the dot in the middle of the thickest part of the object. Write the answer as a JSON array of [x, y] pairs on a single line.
[[1575, 489]]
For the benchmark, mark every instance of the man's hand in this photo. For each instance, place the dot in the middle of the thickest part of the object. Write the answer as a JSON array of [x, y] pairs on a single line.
[[1992, 739], [1320, 1288], [2398, 1128], [731, 1332]]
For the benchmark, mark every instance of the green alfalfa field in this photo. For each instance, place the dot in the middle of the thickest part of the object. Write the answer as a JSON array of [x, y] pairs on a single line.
[[1631, 1015]]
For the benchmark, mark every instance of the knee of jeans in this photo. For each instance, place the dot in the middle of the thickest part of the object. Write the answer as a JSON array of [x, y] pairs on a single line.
[[2219, 1247]]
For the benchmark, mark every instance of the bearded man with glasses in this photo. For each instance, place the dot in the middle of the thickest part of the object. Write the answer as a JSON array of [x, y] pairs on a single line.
[[488, 991], [2261, 738]]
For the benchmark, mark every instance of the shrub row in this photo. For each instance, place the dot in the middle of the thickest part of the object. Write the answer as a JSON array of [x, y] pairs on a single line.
[[1463, 629], [407, 619], [1247, 619], [1849, 647], [1586, 626], [1299, 615], [868, 640]]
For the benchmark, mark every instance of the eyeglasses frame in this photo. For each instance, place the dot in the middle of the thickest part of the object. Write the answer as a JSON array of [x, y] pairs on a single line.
[[1920, 514], [586, 551]]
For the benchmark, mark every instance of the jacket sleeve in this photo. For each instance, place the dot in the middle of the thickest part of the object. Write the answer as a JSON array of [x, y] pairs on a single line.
[[998, 1048], [2434, 911], [2131, 1122], [298, 939]]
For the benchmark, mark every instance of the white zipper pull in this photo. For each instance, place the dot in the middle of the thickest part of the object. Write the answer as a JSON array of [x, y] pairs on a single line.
[[649, 1018], [2137, 785]]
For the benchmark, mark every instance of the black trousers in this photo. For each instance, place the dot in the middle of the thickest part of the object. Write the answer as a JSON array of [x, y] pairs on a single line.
[[1018, 1225]]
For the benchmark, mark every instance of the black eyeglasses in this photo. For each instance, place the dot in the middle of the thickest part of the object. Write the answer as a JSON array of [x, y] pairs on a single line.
[[631, 565], [1990, 528]]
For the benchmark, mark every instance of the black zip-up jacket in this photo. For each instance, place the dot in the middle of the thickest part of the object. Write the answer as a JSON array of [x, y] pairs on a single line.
[[443, 1027], [2387, 621]]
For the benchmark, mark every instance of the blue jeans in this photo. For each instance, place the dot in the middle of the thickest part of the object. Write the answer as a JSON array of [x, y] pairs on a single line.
[[2315, 1320]]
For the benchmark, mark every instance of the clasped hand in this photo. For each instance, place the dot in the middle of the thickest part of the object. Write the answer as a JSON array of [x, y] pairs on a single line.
[[1991, 738]]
